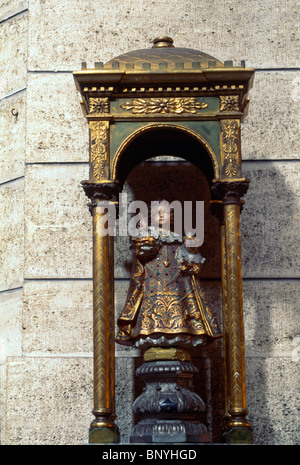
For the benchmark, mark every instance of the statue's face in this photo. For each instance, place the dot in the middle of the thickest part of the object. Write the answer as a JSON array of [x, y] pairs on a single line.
[[161, 217], [143, 223]]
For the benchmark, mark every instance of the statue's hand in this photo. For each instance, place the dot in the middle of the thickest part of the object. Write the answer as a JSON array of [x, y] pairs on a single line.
[[190, 268], [191, 244], [193, 256], [145, 247]]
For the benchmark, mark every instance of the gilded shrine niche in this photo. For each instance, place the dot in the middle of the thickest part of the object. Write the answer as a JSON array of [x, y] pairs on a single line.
[[179, 102]]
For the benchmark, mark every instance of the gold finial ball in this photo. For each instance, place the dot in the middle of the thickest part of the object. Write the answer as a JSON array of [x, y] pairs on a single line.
[[163, 41]]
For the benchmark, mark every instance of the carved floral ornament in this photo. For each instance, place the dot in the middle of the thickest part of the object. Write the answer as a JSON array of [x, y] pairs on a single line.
[[98, 105], [230, 148], [229, 103], [99, 150], [177, 105]]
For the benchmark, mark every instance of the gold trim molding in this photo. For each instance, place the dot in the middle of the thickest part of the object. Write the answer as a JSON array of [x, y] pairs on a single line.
[[176, 105]]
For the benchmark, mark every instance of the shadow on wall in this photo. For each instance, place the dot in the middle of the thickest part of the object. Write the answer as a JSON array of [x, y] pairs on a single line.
[[270, 235]]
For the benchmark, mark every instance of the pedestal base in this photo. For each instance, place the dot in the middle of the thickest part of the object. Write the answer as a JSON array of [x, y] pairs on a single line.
[[169, 431], [168, 407]]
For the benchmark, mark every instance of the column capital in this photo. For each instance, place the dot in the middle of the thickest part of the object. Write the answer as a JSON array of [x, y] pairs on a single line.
[[104, 191], [229, 191]]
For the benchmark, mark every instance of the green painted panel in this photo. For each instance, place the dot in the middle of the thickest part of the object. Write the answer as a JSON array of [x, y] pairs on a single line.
[[209, 130], [119, 132]]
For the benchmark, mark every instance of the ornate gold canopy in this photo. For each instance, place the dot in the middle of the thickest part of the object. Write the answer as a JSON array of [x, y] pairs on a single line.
[[163, 55], [165, 87], [171, 94]]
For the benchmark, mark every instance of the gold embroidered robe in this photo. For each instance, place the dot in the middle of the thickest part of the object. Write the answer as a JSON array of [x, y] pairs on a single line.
[[165, 298]]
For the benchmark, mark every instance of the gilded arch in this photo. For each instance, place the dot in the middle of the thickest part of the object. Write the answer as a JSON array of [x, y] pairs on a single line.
[[174, 127]]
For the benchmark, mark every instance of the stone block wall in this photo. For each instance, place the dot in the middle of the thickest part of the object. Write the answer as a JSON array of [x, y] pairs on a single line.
[[45, 229]]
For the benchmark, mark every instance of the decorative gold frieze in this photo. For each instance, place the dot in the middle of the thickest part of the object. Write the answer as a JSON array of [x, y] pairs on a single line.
[[98, 105], [176, 105], [212, 87], [230, 148], [166, 353], [99, 150], [229, 103]]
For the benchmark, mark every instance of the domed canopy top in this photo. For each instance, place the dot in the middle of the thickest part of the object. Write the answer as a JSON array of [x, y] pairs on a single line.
[[163, 54]]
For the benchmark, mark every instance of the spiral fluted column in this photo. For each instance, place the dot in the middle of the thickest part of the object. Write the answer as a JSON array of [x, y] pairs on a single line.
[[103, 429], [227, 194]]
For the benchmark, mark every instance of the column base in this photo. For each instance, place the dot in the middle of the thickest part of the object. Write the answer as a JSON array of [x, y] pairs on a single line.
[[238, 435], [238, 430], [103, 430], [106, 435]]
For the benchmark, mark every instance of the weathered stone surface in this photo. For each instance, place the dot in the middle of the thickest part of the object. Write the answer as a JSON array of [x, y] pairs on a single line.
[[271, 128], [55, 402], [57, 223], [12, 141], [270, 220], [56, 128], [13, 54], [57, 317], [273, 400], [11, 7], [126, 386], [10, 343], [62, 35], [11, 234], [10, 324], [271, 317]]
